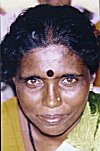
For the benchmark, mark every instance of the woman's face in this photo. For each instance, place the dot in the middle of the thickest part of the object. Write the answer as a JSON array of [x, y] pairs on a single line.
[[54, 104], [55, 2]]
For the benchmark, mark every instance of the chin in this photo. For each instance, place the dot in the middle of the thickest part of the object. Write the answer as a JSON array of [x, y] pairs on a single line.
[[52, 131]]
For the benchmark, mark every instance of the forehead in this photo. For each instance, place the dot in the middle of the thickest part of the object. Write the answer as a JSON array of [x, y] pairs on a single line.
[[57, 58], [51, 54]]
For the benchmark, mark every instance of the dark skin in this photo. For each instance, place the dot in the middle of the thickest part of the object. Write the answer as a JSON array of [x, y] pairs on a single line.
[[55, 2], [37, 93]]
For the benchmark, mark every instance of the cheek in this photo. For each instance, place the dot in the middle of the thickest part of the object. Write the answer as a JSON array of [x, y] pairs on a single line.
[[77, 96], [29, 100]]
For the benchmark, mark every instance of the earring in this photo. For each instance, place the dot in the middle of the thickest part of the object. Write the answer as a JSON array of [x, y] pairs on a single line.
[[91, 87], [58, 99]]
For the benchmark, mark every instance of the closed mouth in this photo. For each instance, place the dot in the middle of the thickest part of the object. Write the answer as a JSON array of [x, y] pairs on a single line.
[[52, 119]]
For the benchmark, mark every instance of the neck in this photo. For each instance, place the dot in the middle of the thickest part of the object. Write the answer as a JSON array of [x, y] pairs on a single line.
[[40, 140]]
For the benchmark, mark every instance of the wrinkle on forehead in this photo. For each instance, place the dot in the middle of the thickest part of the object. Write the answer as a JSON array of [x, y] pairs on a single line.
[[43, 51], [53, 57]]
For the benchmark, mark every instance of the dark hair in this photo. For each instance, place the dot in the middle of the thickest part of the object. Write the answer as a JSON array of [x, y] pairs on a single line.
[[44, 25]]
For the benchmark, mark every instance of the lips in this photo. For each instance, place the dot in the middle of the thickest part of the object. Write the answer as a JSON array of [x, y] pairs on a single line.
[[52, 119]]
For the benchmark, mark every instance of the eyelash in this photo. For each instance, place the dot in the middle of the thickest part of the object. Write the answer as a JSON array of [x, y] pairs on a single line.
[[34, 82], [69, 81], [66, 81]]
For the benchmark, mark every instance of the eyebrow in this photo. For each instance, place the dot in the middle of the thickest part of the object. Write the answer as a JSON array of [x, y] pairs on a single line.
[[38, 77], [29, 78], [72, 75]]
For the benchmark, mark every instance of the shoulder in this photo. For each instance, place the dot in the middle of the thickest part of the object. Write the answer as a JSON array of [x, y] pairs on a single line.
[[11, 134], [6, 106], [8, 111], [85, 136]]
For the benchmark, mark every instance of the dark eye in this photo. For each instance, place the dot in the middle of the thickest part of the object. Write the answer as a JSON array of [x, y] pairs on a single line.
[[34, 83], [68, 81]]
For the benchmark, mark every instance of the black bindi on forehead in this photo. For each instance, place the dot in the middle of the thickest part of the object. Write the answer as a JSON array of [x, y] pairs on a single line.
[[50, 73]]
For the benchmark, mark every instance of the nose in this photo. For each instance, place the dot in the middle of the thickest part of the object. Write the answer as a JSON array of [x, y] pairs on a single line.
[[52, 97]]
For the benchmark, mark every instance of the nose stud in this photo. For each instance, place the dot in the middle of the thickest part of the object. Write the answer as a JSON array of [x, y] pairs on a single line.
[[58, 99], [50, 73]]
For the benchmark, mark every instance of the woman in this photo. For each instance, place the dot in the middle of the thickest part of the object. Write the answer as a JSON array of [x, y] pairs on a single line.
[[50, 53]]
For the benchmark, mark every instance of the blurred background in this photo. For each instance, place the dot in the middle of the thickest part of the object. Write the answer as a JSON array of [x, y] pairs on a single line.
[[10, 9], [9, 5]]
